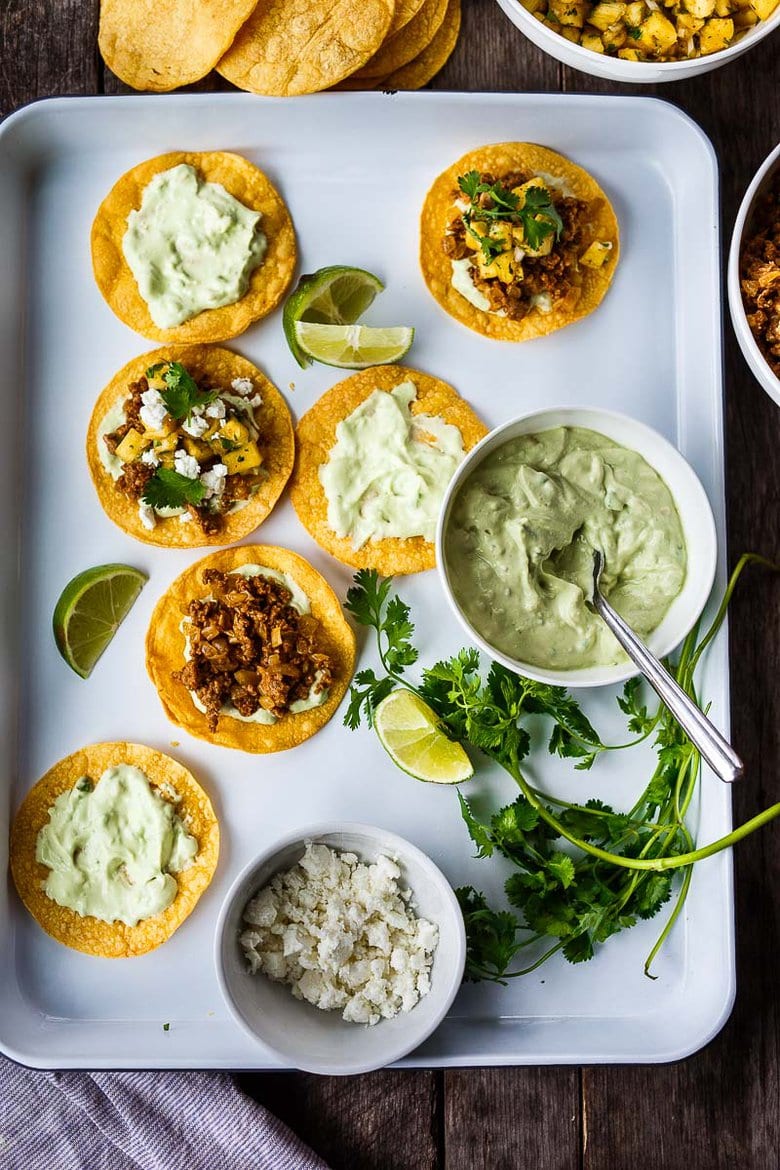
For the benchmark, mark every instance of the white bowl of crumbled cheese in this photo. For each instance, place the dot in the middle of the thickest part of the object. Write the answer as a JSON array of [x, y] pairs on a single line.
[[340, 948]]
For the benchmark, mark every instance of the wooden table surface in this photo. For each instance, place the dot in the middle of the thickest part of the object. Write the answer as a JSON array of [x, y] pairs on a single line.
[[721, 1107]]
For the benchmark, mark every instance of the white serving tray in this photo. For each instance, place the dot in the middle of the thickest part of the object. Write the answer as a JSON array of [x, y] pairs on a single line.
[[354, 170]]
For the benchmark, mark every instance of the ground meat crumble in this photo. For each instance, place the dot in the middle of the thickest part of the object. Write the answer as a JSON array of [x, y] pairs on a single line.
[[555, 274], [760, 276], [251, 647]]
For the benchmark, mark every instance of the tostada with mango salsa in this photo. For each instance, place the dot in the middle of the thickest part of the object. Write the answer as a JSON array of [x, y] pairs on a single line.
[[517, 241]]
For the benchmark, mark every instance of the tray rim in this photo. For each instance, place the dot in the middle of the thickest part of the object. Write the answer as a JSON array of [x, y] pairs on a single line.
[[20, 119]]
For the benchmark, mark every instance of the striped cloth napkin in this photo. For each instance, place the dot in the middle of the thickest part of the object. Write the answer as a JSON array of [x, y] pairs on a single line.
[[139, 1121]]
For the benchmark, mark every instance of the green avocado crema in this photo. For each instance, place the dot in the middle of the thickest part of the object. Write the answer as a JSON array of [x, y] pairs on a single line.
[[112, 848], [388, 471], [190, 246], [519, 543]]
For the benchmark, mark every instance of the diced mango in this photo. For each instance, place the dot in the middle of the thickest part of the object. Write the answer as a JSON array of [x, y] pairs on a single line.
[[131, 446], [197, 448], [716, 35], [687, 25], [532, 5], [501, 268], [569, 13], [169, 425], [156, 380], [629, 55], [635, 13], [166, 443], [520, 191], [571, 34], [595, 255], [474, 233], [592, 40], [724, 7], [615, 36], [243, 459], [607, 13], [657, 34], [700, 8], [745, 18], [235, 431], [764, 8]]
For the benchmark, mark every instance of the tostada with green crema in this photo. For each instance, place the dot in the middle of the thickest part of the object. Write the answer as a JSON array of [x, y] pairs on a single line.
[[517, 241], [375, 455], [113, 847], [193, 247], [249, 648], [189, 446]]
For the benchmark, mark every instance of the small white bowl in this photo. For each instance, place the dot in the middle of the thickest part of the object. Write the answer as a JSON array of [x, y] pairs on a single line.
[[634, 72], [320, 1041], [692, 505], [753, 356]]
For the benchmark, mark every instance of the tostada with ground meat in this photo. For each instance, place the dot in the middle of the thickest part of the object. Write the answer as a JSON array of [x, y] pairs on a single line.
[[517, 241], [190, 446], [249, 649]]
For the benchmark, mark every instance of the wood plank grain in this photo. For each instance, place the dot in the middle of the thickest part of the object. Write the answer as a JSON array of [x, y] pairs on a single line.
[[512, 1118], [383, 1121], [47, 48], [493, 55]]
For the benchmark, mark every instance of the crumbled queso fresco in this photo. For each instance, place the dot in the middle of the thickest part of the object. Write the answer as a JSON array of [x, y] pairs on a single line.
[[342, 935]]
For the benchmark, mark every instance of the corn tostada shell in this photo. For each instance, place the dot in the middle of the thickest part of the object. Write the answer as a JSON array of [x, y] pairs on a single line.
[[406, 44], [277, 445], [302, 46], [113, 940], [316, 436], [165, 651], [433, 57], [267, 284], [499, 159], [161, 44]]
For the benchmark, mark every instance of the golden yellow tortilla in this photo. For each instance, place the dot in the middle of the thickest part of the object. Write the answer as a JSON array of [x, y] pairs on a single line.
[[161, 44], [276, 442], [401, 48], [165, 647], [316, 434], [267, 284], [499, 159], [302, 46], [434, 57], [404, 11], [113, 940]]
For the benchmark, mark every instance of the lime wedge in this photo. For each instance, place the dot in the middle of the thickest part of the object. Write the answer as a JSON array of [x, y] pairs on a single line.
[[353, 347], [410, 733], [90, 610], [337, 295]]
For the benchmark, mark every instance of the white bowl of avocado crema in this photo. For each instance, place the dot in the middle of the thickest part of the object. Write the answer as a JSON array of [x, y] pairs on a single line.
[[518, 525]]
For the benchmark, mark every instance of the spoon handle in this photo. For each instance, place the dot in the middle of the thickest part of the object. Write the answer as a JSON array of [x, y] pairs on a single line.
[[703, 734]]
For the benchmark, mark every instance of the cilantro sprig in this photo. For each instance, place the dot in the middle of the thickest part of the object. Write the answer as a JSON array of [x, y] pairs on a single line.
[[182, 392], [537, 213], [582, 872], [169, 489]]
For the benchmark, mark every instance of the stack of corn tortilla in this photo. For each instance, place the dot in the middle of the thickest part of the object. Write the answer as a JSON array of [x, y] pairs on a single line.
[[279, 47]]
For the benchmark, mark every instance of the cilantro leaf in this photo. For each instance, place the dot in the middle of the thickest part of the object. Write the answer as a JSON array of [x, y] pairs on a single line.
[[539, 217], [491, 936], [169, 489], [365, 694], [182, 392], [479, 833]]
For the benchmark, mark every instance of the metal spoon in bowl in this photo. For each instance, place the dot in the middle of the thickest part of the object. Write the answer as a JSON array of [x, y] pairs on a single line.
[[703, 734]]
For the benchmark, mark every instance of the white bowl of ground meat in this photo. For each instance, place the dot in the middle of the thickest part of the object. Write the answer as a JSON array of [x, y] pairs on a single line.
[[754, 276], [340, 949]]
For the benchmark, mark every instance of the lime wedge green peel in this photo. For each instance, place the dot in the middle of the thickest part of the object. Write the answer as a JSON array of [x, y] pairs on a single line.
[[90, 610], [410, 733], [337, 295], [353, 347]]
